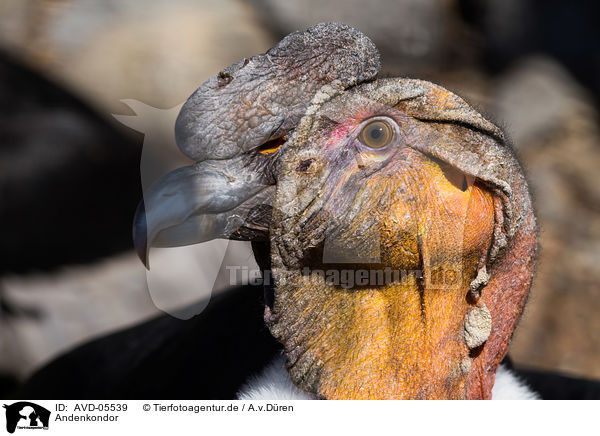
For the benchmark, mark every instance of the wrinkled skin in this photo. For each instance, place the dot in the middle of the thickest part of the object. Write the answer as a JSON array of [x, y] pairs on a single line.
[[444, 196], [385, 341]]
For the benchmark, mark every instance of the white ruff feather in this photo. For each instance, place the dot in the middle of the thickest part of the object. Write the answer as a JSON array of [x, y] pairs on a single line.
[[274, 384], [508, 386]]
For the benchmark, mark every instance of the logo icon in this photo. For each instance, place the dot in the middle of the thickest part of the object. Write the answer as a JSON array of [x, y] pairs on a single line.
[[26, 415]]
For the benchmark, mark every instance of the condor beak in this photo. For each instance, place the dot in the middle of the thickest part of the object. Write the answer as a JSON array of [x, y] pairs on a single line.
[[198, 203]]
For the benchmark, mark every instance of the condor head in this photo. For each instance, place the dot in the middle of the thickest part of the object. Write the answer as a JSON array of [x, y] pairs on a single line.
[[332, 172]]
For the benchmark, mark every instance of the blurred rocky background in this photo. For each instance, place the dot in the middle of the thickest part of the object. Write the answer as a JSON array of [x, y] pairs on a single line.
[[69, 179]]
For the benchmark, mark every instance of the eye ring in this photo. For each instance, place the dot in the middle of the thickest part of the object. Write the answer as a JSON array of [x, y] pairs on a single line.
[[376, 134]]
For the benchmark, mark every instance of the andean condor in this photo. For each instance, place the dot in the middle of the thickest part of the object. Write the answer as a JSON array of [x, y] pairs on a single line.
[[329, 169]]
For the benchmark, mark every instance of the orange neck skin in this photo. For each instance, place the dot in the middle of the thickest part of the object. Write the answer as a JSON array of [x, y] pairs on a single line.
[[399, 340]]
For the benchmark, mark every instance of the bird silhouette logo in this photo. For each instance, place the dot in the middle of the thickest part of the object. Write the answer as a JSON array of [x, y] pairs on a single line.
[[181, 276], [26, 415]]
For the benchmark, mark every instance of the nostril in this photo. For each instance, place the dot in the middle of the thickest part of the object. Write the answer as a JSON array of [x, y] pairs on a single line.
[[223, 79], [304, 165]]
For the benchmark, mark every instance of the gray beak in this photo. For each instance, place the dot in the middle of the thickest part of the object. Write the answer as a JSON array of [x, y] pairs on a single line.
[[198, 203]]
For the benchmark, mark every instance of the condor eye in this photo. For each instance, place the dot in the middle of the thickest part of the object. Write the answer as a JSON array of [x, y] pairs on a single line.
[[376, 134]]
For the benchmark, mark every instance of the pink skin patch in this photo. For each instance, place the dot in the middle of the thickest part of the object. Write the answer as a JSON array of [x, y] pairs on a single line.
[[346, 127]]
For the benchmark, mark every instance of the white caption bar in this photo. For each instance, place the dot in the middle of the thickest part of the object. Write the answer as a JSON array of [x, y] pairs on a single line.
[[298, 417]]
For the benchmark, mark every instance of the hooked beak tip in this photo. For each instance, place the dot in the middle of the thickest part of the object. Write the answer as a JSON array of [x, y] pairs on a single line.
[[140, 234]]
